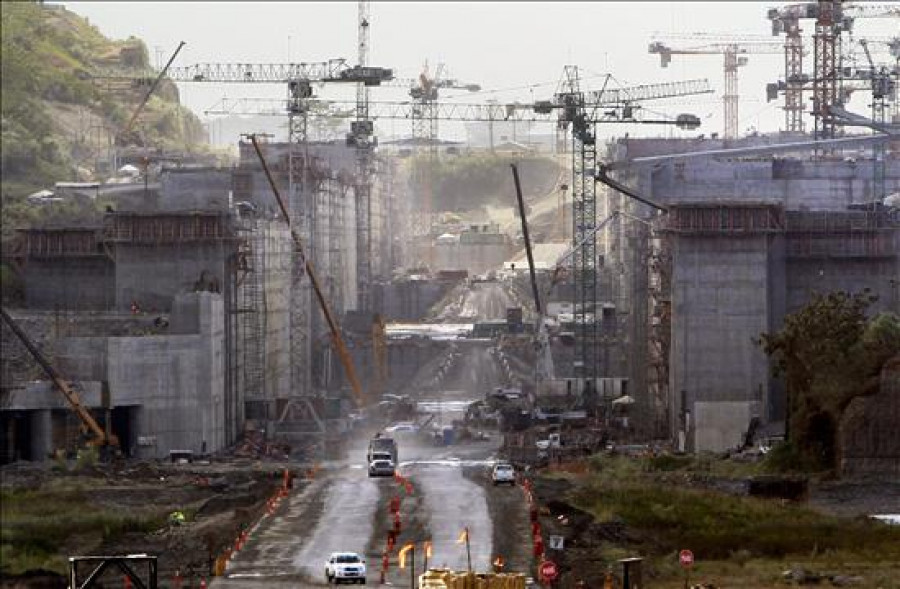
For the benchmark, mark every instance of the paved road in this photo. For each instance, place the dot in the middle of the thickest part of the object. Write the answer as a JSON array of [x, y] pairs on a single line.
[[345, 510], [484, 301]]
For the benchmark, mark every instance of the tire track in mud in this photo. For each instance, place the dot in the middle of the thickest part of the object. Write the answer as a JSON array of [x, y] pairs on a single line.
[[270, 552]]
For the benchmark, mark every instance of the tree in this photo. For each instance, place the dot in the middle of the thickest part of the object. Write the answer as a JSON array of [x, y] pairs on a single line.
[[829, 353]]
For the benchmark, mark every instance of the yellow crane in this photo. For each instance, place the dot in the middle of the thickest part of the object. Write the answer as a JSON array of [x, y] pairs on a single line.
[[333, 326], [97, 436]]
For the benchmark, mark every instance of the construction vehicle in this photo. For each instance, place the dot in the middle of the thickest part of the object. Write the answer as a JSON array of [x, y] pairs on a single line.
[[95, 434], [381, 445]]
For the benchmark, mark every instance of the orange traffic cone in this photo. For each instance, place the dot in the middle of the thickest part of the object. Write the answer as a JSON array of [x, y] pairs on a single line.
[[203, 583], [608, 581]]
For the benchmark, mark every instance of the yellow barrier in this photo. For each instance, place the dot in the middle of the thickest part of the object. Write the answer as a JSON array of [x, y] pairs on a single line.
[[445, 579]]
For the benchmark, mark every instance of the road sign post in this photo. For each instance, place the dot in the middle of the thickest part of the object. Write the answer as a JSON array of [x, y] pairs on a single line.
[[686, 558], [548, 571]]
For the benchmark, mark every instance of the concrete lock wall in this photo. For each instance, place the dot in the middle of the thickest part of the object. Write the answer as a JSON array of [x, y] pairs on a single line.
[[195, 189], [870, 438], [813, 186], [409, 300], [70, 283], [720, 425], [178, 382], [808, 277], [720, 302], [154, 275]]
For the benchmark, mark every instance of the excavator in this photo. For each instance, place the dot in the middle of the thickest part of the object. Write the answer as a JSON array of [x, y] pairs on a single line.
[[93, 433]]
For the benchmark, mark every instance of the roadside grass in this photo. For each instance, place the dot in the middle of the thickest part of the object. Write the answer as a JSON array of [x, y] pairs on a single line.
[[37, 523], [669, 516]]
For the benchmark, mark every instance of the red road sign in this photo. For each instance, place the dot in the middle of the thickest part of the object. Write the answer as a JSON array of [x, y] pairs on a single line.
[[686, 558], [548, 571]]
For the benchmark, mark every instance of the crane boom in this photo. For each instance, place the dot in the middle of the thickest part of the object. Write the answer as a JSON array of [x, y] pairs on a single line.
[[544, 364], [614, 96], [339, 345], [87, 420], [147, 96], [333, 70], [545, 111]]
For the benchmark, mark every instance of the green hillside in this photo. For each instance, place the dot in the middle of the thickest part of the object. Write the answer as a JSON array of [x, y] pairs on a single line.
[[58, 122]]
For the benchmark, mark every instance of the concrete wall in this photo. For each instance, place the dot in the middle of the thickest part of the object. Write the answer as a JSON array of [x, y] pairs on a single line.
[[808, 276], [476, 257], [815, 186], [728, 289], [720, 425], [175, 382], [195, 189], [154, 275], [409, 300], [178, 382], [70, 283], [870, 436], [720, 303]]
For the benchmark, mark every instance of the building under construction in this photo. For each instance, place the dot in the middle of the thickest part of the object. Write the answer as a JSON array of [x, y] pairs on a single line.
[[189, 305], [746, 240]]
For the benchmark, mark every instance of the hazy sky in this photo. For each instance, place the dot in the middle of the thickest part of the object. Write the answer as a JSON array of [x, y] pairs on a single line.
[[517, 47]]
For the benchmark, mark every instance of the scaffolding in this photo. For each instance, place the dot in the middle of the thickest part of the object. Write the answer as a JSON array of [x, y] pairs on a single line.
[[251, 320], [840, 235], [659, 270], [162, 228]]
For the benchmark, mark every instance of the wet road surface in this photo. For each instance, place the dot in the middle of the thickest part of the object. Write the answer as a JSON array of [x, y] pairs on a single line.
[[338, 511]]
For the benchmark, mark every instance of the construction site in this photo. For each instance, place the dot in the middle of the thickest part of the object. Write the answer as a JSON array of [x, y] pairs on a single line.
[[607, 293]]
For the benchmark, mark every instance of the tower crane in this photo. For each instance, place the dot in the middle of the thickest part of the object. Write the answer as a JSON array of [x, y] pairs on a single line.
[[832, 18], [619, 105], [571, 107], [734, 51], [883, 87], [362, 136], [298, 79], [423, 91]]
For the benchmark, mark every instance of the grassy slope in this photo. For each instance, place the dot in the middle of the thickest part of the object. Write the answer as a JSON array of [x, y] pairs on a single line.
[[53, 115], [36, 524]]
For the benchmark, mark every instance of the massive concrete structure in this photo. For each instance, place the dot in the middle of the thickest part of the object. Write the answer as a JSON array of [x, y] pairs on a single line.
[[261, 350], [746, 241], [160, 390]]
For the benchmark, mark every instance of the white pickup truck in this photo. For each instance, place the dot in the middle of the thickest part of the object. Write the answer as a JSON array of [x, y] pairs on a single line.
[[345, 566]]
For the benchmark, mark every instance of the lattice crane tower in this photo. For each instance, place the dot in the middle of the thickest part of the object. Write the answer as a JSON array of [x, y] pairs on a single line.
[[734, 50]]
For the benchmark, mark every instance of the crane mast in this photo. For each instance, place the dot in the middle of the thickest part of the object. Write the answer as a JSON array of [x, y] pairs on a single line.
[[832, 19], [734, 51], [362, 131]]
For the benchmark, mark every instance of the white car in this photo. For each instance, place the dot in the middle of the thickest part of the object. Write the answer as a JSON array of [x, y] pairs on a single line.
[[503, 473], [382, 467], [345, 566], [403, 427]]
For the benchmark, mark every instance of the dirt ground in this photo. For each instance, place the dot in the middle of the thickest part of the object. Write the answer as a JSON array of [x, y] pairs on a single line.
[[509, 511], [218, 500]]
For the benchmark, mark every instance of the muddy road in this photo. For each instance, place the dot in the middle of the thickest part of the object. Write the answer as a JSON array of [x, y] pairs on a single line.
[[343, 509]]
